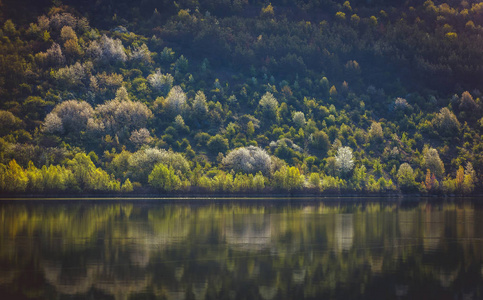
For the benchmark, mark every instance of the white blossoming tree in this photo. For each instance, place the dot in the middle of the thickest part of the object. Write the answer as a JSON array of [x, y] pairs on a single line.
[[299, 119], [69, 116], [249, 159], [107, 50], [176, 101], [161, 82], [142, 162], [344, 160]]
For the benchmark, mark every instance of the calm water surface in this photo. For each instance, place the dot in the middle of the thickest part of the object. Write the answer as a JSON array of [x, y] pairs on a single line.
[[331, 250]]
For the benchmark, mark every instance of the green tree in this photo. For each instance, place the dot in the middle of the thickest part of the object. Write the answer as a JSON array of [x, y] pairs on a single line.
[[406, 178], [360, 177], [8, 122], [164, 179], [57, 178], [269, 106], [250, 129], [217, 144], [288, 178], [375, 132], [470, 178], [127, 186], [432, 162], [467, 102], [82, 167], [258, 182], [299, 119], [314, 180], [320, 141], [35, 178], [9, 28], [446, 123]]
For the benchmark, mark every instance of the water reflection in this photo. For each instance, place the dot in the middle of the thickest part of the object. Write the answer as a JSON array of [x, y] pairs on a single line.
[[239, 251]]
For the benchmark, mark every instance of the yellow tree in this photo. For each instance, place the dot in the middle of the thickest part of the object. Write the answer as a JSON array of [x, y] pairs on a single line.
[[15, 178], [460, 178]]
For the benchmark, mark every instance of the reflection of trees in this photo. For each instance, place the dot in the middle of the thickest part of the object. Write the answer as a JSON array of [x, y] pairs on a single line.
[[268, 292], [170, 225], [407, 221], [376, 264], [198, 252], [8, 255], [121, 288], [119, 280], [248, 232], [433, 229], [344, 232], [446, 278], [68, 284]]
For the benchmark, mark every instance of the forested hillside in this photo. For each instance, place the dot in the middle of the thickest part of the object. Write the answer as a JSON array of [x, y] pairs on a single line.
[[241, 96]]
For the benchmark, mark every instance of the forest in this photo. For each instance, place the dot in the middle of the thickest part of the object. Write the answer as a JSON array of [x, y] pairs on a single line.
[[241, 96]]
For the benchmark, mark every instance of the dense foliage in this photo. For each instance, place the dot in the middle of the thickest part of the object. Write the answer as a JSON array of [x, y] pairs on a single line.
[[241, 96]]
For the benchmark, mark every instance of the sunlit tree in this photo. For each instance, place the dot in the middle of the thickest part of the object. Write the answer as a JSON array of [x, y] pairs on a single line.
[[299, 119], [67, 33], [344, 160], [467, 102], [433, 162], [141, 54], [200, 108], [120, 116], [54, 55], [269, 106], [288, 178], [107, 50], [15, 178], [249, 159], [161, 82], [73, 75], [164, 178], [406, 178], [127, 186], [141, 163], [69, 116], [175, 102], [446, 123], [375, 132], [140, 137]]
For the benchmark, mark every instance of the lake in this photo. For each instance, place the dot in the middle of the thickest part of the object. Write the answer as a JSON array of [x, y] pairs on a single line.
[[337, 249]]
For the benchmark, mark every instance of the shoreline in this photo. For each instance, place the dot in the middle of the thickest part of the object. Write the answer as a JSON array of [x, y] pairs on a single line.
[[206, 197]]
